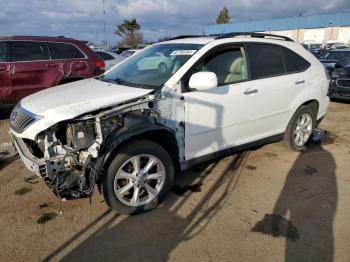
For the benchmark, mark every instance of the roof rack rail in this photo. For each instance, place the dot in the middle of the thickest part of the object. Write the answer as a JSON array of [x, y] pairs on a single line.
[[253, 34], [185, 36]]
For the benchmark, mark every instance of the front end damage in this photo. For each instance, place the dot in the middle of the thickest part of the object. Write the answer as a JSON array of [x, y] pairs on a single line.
[[68, 154]]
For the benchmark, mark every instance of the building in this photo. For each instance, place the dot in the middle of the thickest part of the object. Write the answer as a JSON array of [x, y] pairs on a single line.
[[319, 28]]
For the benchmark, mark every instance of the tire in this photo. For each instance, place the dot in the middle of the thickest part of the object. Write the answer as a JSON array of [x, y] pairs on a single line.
[[295, 127], [162, 68], [128, 191]]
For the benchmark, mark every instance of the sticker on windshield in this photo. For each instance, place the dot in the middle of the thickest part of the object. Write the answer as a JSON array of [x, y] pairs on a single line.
[[183, 52]]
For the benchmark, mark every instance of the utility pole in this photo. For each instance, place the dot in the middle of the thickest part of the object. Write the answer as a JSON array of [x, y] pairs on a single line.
[[104, 23]]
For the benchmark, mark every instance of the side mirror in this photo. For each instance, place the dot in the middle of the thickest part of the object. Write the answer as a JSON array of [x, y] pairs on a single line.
[[203, 81]]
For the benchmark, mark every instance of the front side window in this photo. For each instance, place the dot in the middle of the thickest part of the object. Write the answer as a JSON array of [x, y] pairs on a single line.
[[64, 51], [294, 62], [151, 67], [266, 60], [228, 63], [2, 51], [28, 51]]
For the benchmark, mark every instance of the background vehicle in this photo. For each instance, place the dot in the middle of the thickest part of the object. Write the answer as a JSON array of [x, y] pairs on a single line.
[[129, 52], [330, 58], [111, 59], [222, 95], [340, 80], [334, 44], [313, 47], [119, 50], [29, 64], [159, 62]]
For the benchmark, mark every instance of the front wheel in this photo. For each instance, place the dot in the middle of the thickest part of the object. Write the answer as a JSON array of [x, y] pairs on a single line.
[[138, 177], [301, 127]]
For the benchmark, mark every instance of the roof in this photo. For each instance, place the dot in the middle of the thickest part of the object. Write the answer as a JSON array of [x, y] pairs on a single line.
[[314, 21], [40, 38]]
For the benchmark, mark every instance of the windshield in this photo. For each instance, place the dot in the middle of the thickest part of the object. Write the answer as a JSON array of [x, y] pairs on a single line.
[[336, 55], [151, 67], [315, 46]]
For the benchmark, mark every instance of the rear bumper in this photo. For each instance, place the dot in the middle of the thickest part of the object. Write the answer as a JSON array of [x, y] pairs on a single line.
[[33, 163]]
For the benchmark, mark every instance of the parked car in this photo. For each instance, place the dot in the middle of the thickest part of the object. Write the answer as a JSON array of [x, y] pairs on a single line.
[[129, 52], [340, 80], [130, 130], [334, 44], [119, 50], [159, 62], [330, 58], [313, 47], [111, 59], [30, 64]]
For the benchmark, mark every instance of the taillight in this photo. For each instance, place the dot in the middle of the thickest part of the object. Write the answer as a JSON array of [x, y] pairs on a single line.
[[100, 64]]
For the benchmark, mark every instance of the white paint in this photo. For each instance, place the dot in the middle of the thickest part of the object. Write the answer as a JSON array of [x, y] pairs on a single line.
[[344, 35], [203, 81]]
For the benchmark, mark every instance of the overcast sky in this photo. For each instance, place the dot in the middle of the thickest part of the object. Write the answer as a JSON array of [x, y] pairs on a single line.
[[83, 19]]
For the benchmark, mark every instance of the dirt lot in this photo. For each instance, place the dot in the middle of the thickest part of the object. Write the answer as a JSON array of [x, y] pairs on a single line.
[[269, 204]]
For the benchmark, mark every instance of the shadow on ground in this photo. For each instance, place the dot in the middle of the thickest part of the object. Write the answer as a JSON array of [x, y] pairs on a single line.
[[153, 235]]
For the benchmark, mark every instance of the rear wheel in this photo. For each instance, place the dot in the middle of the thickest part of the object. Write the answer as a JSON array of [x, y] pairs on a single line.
[[138, 178], [301, 127]]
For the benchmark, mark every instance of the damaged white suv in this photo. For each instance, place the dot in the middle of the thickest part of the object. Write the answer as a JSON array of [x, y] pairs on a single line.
[[131, 129]]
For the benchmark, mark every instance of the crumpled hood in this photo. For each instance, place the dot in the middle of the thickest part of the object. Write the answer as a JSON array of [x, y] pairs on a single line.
[[80, 97], [68, 101]]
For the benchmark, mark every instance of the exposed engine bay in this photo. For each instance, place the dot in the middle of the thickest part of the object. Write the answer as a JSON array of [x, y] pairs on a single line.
[[72, 149]]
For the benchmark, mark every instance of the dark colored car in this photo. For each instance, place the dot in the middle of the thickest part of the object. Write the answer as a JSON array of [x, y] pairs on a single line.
[[30, 64], [119, 50], [340, 80], [314, 48], [330, 58]]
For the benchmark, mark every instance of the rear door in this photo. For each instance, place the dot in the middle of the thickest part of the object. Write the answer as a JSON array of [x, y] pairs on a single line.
[[279, 81], [5, 76], [30, 71]]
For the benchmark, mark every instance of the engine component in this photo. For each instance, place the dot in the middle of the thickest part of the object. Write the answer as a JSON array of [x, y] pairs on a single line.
[[80, 135]]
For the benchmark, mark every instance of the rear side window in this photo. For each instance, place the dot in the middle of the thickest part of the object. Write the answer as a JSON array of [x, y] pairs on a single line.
[[28, 51], [266, 60], [64, 51], [294, 63], [104, 56], [3, 51]]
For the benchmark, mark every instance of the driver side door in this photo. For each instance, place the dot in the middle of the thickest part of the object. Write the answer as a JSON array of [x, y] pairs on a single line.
[[222, 117]]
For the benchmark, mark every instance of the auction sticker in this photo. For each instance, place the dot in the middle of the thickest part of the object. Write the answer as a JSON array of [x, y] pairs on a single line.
[[183, 52]]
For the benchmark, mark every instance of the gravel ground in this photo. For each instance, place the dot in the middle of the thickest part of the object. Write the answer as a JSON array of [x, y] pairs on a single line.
[[268, 204]]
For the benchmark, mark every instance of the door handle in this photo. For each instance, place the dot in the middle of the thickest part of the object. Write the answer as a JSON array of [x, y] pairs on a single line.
[[300, 81], [250, 91]]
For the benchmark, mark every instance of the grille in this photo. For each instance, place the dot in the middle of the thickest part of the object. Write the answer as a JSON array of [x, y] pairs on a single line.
[[343, 82], [20, 119]]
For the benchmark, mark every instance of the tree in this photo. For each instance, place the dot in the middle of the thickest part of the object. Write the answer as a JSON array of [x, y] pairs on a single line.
[[129, 30], [223, 16]]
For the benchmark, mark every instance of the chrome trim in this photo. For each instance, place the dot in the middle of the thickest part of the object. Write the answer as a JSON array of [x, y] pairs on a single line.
[[342, 79], [21, 119]]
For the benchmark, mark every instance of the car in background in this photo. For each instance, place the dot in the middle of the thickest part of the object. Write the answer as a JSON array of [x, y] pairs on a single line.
[[313, 47], [340, 80], [111, 59], [334, 44], [119, 50], [129, 52], [330, 58], [158, 61], [30, 63]]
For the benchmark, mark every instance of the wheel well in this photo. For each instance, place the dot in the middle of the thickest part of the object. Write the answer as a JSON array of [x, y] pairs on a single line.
[[162, 137], [312, 102]]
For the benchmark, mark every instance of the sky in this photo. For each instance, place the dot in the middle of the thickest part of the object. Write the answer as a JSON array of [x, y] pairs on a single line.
[[83, 19]]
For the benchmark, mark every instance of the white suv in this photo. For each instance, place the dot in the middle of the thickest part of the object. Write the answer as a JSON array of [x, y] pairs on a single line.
[[130, 130]]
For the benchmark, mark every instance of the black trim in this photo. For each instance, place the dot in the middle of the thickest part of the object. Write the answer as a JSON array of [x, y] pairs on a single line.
[[229, 151], [253, 34]]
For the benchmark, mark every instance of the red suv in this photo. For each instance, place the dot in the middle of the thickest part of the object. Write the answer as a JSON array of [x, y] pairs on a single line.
[[29, 64]]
